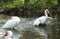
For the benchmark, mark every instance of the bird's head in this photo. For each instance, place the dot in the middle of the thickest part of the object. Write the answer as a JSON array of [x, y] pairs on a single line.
[[47, 12], [12, 17], [8, 34]]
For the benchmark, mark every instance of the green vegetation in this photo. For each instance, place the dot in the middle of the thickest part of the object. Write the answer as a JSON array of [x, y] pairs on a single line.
[[31, 8], [11, 3]]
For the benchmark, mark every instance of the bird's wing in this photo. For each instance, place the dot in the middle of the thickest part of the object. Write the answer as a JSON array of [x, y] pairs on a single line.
[[39, 20], [36, 22], [43, 19], [9, 24]]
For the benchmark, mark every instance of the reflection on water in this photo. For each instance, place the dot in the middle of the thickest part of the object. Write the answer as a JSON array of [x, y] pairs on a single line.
[[34, 33], [55, 31]]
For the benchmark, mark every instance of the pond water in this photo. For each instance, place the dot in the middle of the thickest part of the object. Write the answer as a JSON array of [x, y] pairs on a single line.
[[25, 30]]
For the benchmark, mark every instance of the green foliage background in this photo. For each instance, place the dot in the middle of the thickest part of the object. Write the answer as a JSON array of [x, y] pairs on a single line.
[[29, 8]]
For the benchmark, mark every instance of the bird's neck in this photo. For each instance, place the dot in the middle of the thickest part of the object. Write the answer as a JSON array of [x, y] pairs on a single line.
[[46, 14]]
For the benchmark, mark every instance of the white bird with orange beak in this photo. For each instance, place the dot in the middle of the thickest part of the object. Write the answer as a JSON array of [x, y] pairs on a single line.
[[12, 22], [43, 19]]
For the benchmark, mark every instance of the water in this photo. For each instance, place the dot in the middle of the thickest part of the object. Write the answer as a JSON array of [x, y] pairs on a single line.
[[25, 30]]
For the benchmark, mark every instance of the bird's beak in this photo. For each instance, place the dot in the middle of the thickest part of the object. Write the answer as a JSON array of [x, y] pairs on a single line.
[[49, 14]]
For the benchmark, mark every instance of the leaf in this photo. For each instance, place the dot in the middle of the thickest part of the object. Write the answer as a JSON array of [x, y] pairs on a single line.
[[54, 1]]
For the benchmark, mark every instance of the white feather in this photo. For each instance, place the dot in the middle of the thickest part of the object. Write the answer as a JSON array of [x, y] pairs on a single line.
[[12, 22]]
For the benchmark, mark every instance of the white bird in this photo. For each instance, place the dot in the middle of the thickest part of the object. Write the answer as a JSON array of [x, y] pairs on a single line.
[[12, 22], [8, 35], [43, 19]]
